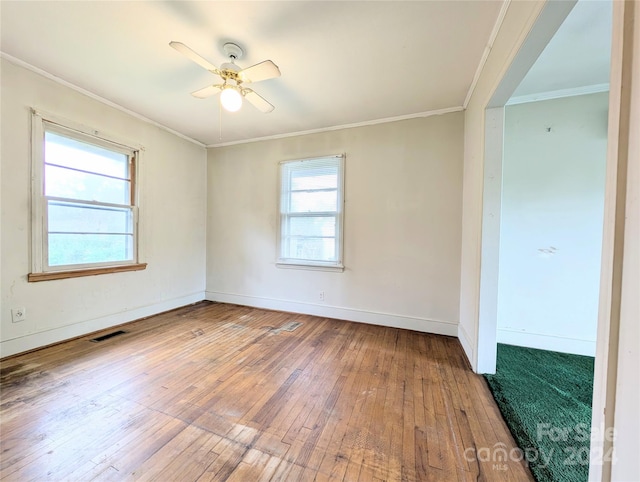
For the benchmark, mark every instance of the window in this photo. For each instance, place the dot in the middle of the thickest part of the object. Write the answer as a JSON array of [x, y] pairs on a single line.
[[311, 201], [84, 202]]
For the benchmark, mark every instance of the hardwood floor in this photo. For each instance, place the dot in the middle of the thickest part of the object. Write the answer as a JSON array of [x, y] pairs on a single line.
[[223, 392]]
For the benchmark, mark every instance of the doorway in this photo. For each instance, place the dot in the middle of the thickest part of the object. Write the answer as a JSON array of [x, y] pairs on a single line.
[[553, 147], [499, 247]]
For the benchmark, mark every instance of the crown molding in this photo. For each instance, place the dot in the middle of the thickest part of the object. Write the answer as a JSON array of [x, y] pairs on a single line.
[[385, 120], [487, 50], [557, 94]]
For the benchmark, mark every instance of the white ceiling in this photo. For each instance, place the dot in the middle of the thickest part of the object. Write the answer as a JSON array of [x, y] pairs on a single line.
[[577, 56], [342, 62]]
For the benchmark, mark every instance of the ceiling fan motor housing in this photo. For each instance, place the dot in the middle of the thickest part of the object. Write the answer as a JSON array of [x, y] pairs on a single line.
[[230, 66], [229, 70]]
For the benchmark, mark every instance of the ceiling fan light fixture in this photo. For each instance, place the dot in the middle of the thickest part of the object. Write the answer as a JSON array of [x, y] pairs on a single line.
[[233, 89], [231, 98]]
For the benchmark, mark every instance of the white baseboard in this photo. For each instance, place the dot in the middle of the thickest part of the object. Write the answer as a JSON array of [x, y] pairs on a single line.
[[371, 317], [467, 346], [547, 342], [44, 338]]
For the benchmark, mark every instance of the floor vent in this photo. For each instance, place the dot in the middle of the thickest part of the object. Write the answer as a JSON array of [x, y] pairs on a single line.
[[107, 336]]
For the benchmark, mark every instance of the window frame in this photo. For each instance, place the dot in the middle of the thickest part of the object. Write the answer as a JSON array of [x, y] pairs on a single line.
[[283, 214], [40, 268]]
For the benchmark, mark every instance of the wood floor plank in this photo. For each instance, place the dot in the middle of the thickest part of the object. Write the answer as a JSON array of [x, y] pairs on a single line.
[[287, 471], [194, 460], [359, 440], [334, 462], [330, 424], [223, 392], [59, 433], [155, 467]]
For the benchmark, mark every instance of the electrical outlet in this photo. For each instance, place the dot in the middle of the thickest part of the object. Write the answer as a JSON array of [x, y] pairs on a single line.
[[18, 314], [322, 296]]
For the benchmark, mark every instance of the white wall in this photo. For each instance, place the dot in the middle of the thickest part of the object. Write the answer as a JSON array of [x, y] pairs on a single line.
[[518, 21], [173, 204], [551, 229], [401, 228]]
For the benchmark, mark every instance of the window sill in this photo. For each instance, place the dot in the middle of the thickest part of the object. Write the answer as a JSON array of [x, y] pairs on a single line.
[[34, 277], [312, 267]]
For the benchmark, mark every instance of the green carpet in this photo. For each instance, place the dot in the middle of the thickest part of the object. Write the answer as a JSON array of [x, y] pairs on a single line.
[[545, 398]]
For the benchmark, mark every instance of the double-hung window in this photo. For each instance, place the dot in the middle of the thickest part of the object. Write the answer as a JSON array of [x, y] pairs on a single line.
[[85, 214], [311, 212]]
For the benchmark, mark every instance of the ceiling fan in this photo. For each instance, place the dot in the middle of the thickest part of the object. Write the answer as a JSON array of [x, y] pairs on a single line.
[[232, 89]]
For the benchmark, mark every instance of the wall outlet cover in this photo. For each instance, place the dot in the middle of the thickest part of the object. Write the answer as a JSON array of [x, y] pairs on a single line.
[[18, 314]]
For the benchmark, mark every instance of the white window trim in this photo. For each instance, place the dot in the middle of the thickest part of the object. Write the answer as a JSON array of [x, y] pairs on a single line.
[[39, 262], [289, 263]]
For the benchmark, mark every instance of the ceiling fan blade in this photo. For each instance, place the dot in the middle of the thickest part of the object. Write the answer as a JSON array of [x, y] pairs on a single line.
[[190, 54], [262, 71], [207, 91], [258, 101]]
